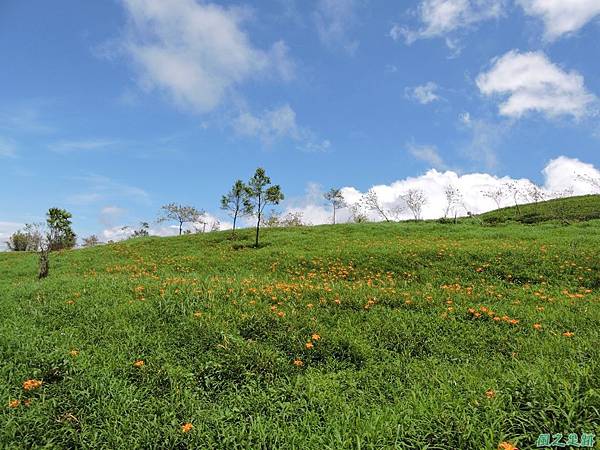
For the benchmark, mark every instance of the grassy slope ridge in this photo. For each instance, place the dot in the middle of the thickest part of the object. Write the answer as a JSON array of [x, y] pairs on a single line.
[[415, 323], [569, 209]]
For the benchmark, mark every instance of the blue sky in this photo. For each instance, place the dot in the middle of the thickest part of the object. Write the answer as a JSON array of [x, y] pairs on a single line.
[[111, 109]]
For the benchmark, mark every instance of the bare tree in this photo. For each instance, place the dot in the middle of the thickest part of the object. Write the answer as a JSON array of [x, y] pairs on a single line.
[[357, 213], [236, 202], [91, 241], [514, 190], [536, 193], [592, 181], [567, 192], [397, 211], [371, 201], [335, 197], [454, 198], [415, 200], [142, 231], [495, 193], [293, 219], [180, 214]]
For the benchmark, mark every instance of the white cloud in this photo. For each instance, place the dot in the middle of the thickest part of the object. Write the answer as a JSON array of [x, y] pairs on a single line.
[[6, 230], [533, 83], [197, 53], [8, 147], [68, 146], [562, 173], [429, 154], [561, 17], [440, 18], [424, 94], [279, 123], [559, 175], [334, 19]]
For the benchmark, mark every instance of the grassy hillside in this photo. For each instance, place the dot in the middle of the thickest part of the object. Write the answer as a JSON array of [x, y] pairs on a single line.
[[570, 209], [407, 336]]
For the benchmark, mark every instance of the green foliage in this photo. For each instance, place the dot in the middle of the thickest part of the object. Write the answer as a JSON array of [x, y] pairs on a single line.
[[236, 202], [568, 209], [60, 234], [181, 214], [397, 359], [260, 194], [18, 242]]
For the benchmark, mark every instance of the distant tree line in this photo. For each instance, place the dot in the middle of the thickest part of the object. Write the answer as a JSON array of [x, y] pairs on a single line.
[[252, 198]]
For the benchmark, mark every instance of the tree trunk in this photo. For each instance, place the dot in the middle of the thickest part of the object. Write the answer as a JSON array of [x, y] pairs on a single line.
[[180, 227], [258, 222], [334, 214], [234, 220], [44, 264]]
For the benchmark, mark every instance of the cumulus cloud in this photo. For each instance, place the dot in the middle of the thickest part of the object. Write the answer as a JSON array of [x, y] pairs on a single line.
[[561, 17], [334, 19], [197, 53], [532, 83], [442, 18], [275, 124], [559, 175], [423, 94]]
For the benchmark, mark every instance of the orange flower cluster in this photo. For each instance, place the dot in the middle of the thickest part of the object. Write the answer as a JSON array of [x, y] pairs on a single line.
[[486, 312], [186, 427], [490, 393], [138, 363], [506, 446], [30, 385], [16, 403], [370, 303]]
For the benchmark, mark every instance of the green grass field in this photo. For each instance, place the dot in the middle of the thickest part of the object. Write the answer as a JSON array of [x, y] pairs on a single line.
[[569, 209], [408, 336]]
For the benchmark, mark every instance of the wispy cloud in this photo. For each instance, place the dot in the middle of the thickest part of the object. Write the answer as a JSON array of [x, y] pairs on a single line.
[[428, 154], [424, 94], [334, 20], [445, 18], [276, 124], [84, 145], [104, 189], [197, 53]]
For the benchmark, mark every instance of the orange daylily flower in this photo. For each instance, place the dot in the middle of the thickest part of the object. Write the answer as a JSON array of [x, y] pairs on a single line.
[[139, 363], [30, 385], [187, 427]]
